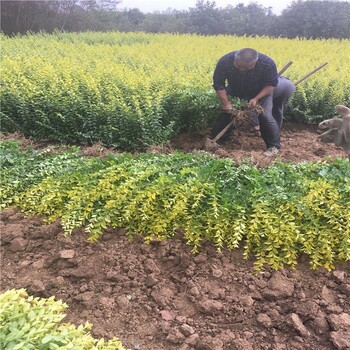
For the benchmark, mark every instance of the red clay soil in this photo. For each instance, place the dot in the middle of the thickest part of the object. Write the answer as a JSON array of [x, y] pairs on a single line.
[[298, 143], [162, 297]]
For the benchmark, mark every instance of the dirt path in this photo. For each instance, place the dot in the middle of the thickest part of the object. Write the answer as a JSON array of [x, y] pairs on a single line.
[[161, 297]]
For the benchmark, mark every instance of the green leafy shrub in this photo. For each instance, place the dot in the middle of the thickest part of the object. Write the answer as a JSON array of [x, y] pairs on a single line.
[[277, 213], [132, 90], [35, 323]]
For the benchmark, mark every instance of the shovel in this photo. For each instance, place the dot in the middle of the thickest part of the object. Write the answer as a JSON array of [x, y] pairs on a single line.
[[211, 145]]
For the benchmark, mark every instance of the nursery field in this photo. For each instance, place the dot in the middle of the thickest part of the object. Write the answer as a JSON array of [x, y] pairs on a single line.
[[132, 90], [161, 295], [109, 205]]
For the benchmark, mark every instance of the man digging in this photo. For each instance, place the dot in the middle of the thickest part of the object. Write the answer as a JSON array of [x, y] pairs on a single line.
[[252, 76]]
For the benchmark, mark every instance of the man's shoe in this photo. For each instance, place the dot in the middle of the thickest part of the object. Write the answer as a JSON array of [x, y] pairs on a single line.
[[271, 151]]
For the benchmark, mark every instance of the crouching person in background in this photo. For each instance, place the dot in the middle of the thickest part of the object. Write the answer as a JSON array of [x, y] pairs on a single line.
[[252, 76]]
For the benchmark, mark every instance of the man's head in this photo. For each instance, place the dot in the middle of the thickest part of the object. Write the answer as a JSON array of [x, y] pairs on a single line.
[[245, 59]]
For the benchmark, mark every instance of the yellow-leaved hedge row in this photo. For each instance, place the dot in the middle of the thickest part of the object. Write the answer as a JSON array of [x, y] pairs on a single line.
[[131, 90], [276, 213]]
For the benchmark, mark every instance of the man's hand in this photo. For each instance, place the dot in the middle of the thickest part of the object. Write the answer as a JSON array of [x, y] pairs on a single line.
[[225, 102], [253, 102]]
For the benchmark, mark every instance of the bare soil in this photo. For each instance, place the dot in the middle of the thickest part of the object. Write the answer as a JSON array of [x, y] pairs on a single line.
[[162, 297], [298, 143]]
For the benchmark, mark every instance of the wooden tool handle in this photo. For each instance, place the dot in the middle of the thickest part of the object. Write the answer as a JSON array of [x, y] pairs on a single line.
[[312, 72], [285, 68], [217, 137]]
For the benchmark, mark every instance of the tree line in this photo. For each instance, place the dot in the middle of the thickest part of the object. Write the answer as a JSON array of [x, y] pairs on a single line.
[[307, 19]]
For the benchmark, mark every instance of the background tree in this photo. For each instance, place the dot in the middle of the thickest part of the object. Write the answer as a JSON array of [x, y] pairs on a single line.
[[204, 18], [310, 19], [252, 19], [316, 19]]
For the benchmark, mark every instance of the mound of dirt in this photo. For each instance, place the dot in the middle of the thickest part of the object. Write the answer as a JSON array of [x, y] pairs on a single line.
[[298, 143], [162, 297]]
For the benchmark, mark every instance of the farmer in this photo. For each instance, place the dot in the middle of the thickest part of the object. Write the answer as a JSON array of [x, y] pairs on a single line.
[[252, 76]]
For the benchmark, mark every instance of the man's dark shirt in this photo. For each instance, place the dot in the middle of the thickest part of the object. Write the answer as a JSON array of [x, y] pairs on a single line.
[[245, 85]]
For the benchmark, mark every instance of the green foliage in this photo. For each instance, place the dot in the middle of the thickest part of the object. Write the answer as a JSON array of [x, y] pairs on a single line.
[[20, 170], [326, 225], [277, 213], [316, 19], [132, 90], [35, 323]]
